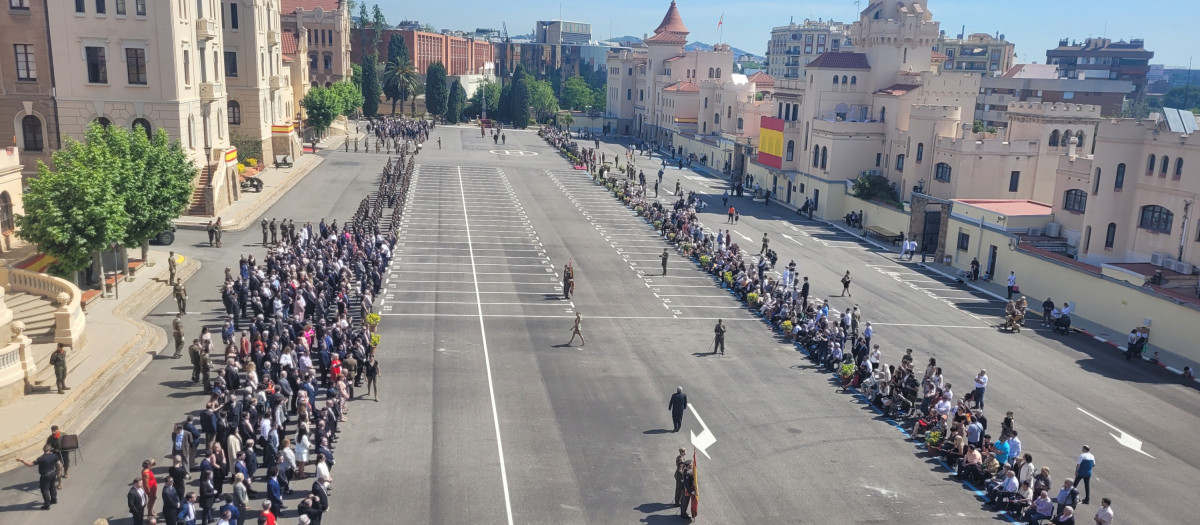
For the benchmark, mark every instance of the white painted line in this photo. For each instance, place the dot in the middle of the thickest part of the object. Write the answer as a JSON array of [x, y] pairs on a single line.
[[559, 292], [699, 297], [487, 360], [673, 305], [543, 303], [468, 264], [1124, 439]]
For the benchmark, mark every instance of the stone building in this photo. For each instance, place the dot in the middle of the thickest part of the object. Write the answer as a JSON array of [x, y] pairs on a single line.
[[258, 82], [327, 23], [27, 112]]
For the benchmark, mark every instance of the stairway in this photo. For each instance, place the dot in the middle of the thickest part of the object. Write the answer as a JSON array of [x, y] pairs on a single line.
[[199, 202], [37, 313]]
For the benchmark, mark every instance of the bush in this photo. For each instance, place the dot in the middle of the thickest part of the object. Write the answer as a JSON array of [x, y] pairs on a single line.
[[657, 224], [252, 162], [241, 168], [875, 187], [728, 277], [705, 259]]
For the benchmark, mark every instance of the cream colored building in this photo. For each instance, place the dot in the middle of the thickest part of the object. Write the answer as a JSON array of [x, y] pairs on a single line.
[[163, 69], [793, 46], [259, 84], [324, 26], [26, 105], [978, 53]]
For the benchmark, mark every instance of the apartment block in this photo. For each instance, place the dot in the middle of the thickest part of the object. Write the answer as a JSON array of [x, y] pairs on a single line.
[[979, 53], [793, 46], [1101, 58], [325, 26]]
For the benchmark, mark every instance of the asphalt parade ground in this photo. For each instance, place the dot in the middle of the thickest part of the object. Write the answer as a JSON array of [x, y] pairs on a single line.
[[487, 415]]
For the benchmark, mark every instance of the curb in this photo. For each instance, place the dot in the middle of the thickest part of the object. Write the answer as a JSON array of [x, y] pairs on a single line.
[[246, 219], [88, 399]]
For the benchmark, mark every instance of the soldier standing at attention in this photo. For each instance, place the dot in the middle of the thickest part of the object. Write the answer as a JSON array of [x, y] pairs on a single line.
[[264, 230], [181, 296], [217, 231], [274, 231], [59, 361], [177, 331], [194, 351], [664, 261], [719, 337], [172, 267], [765, 243], [577, 330]]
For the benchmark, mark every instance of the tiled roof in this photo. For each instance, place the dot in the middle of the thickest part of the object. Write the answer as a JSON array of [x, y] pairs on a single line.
[[288, 58], [683, 87], [674, 58], [290, 44], [938, 56], [672, 22], [897, 89], [669, 38], [762, 79], [290, 6], [1010, 207], [840, 60]]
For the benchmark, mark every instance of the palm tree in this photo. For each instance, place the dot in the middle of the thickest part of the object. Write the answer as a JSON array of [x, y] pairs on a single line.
[[400, 81]]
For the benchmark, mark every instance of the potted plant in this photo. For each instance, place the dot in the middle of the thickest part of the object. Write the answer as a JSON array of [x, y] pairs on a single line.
[[373, 321], [375, 339], [845, 371], [705, 260], [752, 299], [933, 439], [728, 278], [787, 326], [657, 224], [687, 248]]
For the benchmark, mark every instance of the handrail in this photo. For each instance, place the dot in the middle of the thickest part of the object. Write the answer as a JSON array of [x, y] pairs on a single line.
[[69, 320]]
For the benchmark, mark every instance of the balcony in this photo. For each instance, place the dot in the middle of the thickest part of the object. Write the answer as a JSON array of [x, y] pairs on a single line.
[[207, 29], [211, 91], [845, 127], [272, 38], [279, 82]]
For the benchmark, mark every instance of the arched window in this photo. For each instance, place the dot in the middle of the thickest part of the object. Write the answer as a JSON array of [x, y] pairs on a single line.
[[103, 121], [1166, 163], [316, 84], [31, 132], [816, 156], [1156, 218], [739, 122], [883, 114], [145, 125], [705, 102], [1110, 236], [728, 111], [1066, 138], [191, 132], [824, 158], [718, 72], [844, 79], [1054, 139], [1096, 183], [235, 112], [1120, 179], [7, 223], [791, 148], [1075, 200], [835, 80], [710, 72], [329, 84], [1178, 168], [716, 118], [920, 151], [900, 162], [853, 80], [1079, 136], [941, 172], [1150, 165]]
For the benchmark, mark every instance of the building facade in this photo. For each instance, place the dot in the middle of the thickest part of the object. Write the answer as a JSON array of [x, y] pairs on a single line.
[[1101, 58], [325, 24], [258, 84], [562, 32], [1041, 83], [460, 55], [111, 67], [793, 46], [978, 53], [27, 110]]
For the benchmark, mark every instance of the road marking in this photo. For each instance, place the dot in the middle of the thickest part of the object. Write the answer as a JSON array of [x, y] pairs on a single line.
[[486, 358], [1124, 439], [793, 239], [706, 437]]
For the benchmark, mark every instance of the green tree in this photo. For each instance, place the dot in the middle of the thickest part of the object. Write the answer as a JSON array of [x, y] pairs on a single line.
[[349, 98], [436, 88], [397, 48], [157, 189], [487, 96], [363, 21], [504, 107], [518, 109], [378, 25], [600, 99], [75, 210], [454, 104], [356, 75], [576, 94], [1182, 98], [370, 85], [399, 80], [322, 106], [541, 99]]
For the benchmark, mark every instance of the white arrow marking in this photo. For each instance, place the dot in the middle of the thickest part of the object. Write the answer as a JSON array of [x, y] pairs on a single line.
[[706, 438], [1121, 437]]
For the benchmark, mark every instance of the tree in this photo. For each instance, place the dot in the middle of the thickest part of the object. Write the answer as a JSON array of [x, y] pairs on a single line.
[[541, 99], [397, 48], [436, 89], [504, 106], [76, 210], [487, 96], [322, 106], [157, 189], [600, 99], [362, 22], [349, 98], [378, 25], [576, 94], [370, 85], [457, 98], [356, 75], [1182, 98], [399, 81], [518, 109]]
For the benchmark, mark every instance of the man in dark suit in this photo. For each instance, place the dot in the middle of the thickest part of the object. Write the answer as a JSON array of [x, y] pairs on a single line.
[[274, 492], [137, 502], [804, 293], [677, 405], [320, 501], [171, 504]]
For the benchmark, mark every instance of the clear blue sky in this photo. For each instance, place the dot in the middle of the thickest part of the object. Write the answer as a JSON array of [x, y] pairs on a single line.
[[1033, 26]]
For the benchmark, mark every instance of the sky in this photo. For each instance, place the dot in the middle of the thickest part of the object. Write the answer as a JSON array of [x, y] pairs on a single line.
[[1032, 25]]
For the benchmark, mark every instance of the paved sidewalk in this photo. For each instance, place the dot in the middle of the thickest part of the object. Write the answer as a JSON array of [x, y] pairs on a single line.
[[119, 345], [244, 213]]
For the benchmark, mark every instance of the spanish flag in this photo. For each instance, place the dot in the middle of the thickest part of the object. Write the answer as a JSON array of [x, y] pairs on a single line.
[[695, 485]]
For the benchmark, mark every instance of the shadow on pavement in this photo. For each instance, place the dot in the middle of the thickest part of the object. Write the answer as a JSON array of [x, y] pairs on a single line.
[[656, 431]]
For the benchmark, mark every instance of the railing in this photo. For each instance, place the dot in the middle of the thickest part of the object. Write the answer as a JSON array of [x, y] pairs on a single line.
[[69, 321]]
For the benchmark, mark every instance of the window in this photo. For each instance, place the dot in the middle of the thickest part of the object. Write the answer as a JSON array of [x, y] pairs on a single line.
[[900, 162], [26, 65], [628, 92], [795, 111], [718, 72], [739, 123], [964, 241], [791, 147], [1120, 180], [1178, 168], [853, 80], [97, 69], [139, 7], [941, 172], [705, 102], [328, 61], [120, 7], [135, 62], [1096, 183], [1080, 137], [1014, 181], [1166, 163], [716, 118], [1150, 165], [835, 80], [729, 112], [6, 213], [1110, 236], [710, 72], [79, 6], [191, 132], [231, 64], [1156, 219], [641, 95], [187, 67], [103, 122], [1054, 139], [233, 15], [101, 8], [920, 151], [31, 131], [883, 114], [878, 159], [824, 157], [234, 108], [144, 125], [18, 4], [844, 79], [816, 156], [1075, 200]]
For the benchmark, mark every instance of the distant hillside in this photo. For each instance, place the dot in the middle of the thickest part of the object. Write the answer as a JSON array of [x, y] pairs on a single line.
[[692, 46]]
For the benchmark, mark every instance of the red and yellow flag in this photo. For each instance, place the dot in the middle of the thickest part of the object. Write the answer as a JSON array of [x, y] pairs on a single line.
[[695, 485]]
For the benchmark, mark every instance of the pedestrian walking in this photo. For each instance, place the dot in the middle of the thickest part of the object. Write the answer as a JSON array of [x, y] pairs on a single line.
[[981, 381], [845, 284], [719, 337], [677, 189], [372, 370], [732, 211], [1012, 284], [1083, 471], [664, 261], [725, 198], [177, 332], [677, 405], [181, 296], [577, 330], [50, 468], [656, 184], [59, 361]]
